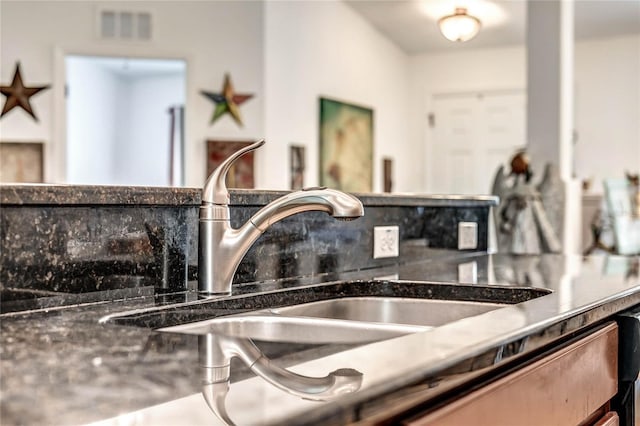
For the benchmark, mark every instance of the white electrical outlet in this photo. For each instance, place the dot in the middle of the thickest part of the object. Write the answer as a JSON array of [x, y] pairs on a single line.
[[467, 235], [385, 241]]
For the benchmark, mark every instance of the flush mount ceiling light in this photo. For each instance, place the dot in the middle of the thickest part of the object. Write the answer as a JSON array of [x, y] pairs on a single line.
[[460, 26]]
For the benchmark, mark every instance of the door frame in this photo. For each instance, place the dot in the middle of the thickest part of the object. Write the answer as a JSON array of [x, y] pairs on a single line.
[[56, 151]]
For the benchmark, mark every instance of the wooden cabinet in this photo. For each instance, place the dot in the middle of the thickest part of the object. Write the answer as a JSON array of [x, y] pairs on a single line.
[[609, 419], [568, 387]]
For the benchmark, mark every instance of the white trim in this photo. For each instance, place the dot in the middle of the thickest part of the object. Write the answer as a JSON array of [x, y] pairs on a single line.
[[454, 94]]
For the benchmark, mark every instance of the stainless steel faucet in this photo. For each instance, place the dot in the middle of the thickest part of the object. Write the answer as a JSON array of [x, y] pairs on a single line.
[[221, 247]]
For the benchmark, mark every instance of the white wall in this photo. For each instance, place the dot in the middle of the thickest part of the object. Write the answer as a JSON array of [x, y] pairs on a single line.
[[456, 72], [607, 104], [607, 108], [90, 135], [315, 49], [213, 37], [290, 53]]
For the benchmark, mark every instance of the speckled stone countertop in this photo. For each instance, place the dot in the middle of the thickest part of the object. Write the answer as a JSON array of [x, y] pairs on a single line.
[[61, 366], [38, 194]]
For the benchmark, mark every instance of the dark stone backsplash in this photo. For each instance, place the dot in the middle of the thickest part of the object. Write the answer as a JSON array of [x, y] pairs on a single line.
[[77, 249], [146, 239]]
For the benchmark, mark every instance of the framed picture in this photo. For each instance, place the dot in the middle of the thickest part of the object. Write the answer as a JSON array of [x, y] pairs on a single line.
[[241, 172], [387, 174], [297, 166], [346, 146], [21, 162]]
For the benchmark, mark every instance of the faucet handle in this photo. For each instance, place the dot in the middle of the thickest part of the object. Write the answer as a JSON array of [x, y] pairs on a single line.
[[215, 189]]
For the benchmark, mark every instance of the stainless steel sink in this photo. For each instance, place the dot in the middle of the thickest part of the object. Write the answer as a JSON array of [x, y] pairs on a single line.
[[394, 310], [345, 320], [275, 328], [334, 312]]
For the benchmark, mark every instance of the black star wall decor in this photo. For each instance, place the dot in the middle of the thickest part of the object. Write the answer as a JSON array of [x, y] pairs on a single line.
[[227, 102], [18, 94]]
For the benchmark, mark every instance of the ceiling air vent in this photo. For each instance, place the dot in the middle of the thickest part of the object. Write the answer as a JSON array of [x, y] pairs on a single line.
[[125, 25]]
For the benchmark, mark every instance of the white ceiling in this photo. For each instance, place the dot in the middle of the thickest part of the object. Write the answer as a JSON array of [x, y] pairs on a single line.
[[412, 24]]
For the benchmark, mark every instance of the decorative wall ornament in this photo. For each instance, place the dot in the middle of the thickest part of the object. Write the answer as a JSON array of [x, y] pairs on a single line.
[[387, 174], [18, 94], [346, 146], [240, 174], [297, 164], [227, 101], [21, 162]]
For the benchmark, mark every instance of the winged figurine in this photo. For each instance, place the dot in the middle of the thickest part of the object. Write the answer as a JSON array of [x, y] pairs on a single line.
[[528, 218]]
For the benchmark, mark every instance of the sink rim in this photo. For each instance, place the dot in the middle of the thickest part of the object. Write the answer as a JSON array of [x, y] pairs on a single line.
[[267, 326], [156, 317], [294, 323]]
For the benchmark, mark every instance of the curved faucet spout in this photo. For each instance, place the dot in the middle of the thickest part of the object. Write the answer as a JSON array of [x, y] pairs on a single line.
[[215, 189], [221, 248], [336, 203]]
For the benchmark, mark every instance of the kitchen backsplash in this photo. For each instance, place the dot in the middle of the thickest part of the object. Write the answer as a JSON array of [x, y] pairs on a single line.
[[82, 239]]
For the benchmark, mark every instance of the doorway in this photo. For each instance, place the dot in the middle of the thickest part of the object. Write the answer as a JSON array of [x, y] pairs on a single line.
[[473, 134], [124, 120]]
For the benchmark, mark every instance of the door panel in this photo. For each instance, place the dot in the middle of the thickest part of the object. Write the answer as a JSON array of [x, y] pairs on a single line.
[[473, 134]]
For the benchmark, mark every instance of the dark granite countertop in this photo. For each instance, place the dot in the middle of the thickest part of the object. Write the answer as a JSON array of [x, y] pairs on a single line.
[[61, 366], [40, 194]]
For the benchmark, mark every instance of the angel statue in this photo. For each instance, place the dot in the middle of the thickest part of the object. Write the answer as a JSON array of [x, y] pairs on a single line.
[[528, 218]]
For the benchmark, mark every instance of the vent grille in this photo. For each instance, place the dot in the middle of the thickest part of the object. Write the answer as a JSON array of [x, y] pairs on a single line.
[[125, 25]]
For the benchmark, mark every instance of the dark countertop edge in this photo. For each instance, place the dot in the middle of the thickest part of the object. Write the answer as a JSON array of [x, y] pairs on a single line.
[[42, 194]]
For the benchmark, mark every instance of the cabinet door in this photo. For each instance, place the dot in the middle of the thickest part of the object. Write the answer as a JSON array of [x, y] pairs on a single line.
[[563, 388]]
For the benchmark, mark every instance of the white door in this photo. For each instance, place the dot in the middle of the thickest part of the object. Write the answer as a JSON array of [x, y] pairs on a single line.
[[472, 134]]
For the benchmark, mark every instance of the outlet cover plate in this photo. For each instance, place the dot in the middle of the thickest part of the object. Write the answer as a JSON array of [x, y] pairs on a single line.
[[467, 235], [386, 241]]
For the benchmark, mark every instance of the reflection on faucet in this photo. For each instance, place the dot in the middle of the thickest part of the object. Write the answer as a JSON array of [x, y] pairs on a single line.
[[221, 247], [216, 351]]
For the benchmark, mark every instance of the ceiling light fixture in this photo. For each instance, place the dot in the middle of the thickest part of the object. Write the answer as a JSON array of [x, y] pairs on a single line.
[[460, 26]]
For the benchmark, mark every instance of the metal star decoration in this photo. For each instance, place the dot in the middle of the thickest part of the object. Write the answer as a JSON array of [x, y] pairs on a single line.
[[18, 95], [227, 101]]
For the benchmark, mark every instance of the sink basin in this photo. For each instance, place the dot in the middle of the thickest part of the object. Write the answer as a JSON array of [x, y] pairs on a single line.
[[274, 328], [352, 320], [395, 310], [376, 305]]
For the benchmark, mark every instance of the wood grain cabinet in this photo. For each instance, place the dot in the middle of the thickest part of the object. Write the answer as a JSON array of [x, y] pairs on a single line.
[[609, 419], [572, 386]]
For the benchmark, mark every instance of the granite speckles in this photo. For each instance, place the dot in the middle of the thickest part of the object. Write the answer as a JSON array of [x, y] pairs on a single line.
[[75, 370], [38, 194], [109, 250], [80, 240], [60, 360], [84, 249], [96, 195]]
